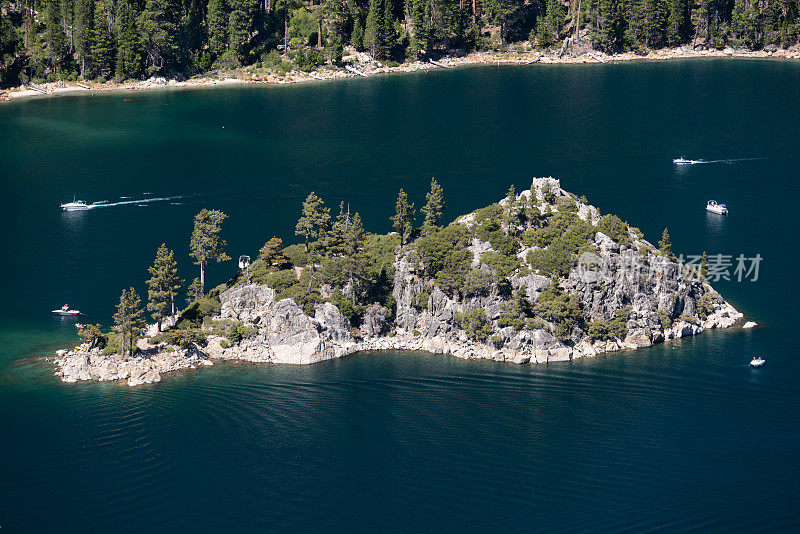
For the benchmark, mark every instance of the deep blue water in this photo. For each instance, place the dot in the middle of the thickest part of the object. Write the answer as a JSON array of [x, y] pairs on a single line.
[[683, 436]]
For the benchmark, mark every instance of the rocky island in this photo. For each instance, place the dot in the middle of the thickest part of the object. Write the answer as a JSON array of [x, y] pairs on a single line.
[[540, 276]]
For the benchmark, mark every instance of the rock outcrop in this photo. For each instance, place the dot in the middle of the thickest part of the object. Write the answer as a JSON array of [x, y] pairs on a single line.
[[647, 296], [146, 367], [285, 333]]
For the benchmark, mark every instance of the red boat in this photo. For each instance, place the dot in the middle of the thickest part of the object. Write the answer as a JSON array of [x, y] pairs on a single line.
[[66, 311]]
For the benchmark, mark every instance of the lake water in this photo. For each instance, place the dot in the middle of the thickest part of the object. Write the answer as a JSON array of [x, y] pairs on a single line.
[[683, 436]]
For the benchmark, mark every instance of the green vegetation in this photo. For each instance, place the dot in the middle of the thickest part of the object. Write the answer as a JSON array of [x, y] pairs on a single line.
[[129, 320], [665, 245], [271, 255], [186, 338], [434, 205], [705, 305], [314, 219], [502, 266], [704, 267], [445, 257], [664, 319], [476, 283], [282, 280], [92, 334], [611, 329], [197, 311], [510, 316], [163, 285], [562, 309], [403, 219], [689, 318], [613, 227], [206, 244], [122, 39], [570, 236], [239, 331], [474, 322]]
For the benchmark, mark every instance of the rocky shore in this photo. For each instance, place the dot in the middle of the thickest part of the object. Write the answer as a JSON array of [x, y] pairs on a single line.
[[366, 65], [661, 302]]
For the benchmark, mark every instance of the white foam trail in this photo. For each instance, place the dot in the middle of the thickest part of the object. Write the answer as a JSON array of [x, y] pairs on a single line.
[[729, 161], [127, 202]]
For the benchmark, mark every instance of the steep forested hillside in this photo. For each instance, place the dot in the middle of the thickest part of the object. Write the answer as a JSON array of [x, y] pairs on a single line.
[[123, 39]]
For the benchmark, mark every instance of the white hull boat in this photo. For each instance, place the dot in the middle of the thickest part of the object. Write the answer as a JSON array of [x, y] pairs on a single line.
[[684, 161], [757, 362], [719, 209], [64, 310], [75, 205]]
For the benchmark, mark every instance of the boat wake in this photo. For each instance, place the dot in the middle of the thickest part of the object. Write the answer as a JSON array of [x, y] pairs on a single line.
[[139, 202], [681, 161]]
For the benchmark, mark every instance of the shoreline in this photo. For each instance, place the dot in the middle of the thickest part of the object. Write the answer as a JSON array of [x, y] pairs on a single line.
[[254, 76], [82, 364], [278, 330]]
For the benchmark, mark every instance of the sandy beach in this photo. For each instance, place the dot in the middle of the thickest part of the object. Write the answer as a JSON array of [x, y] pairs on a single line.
[[364, 65]]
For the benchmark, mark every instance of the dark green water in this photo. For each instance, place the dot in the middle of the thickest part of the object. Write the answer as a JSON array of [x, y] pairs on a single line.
[[678, 437]]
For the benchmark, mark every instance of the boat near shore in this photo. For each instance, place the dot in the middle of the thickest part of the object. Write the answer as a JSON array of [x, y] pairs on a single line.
[[64, 310]]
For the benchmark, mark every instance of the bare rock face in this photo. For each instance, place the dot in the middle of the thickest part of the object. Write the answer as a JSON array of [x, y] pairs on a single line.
[[334, 326], [375, 322], [246, 303], [406, 287], [534, 284], [285, 333], [440, 311]]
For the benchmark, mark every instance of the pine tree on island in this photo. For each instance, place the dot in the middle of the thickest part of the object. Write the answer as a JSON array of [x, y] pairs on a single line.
[[403, 220], [314, 219], [193, 292], [163, 285], [271, 254], [512, 211], [92, 334], [354, 251], [434, 206], [129, 319], [665, 245], [206, 244], [333, 242], [704, 267]]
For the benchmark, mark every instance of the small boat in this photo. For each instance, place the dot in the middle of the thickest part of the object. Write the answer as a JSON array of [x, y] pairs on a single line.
[[683, 161], [719, 209], [75, 205], [757, 362], [64, 310]]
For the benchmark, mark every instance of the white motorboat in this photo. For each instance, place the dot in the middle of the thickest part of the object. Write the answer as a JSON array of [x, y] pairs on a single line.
[[757, 362], [719, 209], [683, 161], [64, 310], [75, 205]]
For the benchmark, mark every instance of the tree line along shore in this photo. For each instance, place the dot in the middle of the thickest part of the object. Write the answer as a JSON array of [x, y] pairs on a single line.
[[102, 40], [487, 260]]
